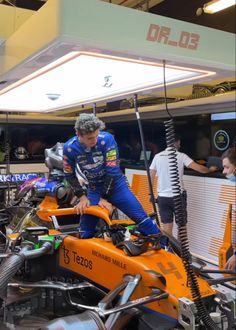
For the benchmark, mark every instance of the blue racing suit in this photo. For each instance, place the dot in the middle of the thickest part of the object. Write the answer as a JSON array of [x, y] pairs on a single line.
[[100, 165]]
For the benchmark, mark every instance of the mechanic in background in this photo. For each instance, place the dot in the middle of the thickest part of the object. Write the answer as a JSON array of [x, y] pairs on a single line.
[[96, 153], [160, 167], [229, 170]]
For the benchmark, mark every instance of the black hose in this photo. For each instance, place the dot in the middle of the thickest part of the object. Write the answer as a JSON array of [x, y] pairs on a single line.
[[8, 269], [145, 159], [181, 220], [45, 248], [14, 262]]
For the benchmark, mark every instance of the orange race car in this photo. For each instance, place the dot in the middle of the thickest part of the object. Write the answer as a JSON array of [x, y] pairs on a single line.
[[66, 281], [52, 279]]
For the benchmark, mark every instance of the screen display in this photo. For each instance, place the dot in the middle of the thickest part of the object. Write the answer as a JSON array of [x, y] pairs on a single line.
[[223, 116]]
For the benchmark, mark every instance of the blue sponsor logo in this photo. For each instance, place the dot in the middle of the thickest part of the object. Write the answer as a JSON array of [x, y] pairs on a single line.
[[19, 177]]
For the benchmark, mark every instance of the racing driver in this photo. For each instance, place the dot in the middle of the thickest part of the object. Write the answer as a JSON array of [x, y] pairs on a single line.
[[94, 154]]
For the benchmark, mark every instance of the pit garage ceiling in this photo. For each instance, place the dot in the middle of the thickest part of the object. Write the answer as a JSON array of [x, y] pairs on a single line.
[[36, 4], [184, 10], [151, 6]]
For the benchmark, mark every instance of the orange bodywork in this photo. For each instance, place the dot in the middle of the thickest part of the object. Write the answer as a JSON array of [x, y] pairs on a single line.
[[14, 236], [100, 262], [46, 213], [49, 207], [226, 249]]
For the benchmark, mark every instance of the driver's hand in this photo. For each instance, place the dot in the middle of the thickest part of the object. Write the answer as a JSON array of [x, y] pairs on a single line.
[[103, 203], [82, 205]]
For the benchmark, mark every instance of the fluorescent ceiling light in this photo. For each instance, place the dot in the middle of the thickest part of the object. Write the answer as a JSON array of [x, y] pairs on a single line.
[[217, 5], [81, 78]]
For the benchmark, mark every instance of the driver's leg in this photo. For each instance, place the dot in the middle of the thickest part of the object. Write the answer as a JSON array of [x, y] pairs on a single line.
[[125, 200], [88, 222]]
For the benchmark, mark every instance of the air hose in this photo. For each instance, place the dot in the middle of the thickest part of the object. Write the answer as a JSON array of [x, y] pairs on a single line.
[[14, 262], [181, 220]]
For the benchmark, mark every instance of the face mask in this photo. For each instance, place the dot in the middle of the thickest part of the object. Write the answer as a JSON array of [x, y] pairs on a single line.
[[231, 177]]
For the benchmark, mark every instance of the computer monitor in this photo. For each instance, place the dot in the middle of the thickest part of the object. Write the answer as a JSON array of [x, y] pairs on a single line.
[[223, 116], [148, 155], [215, 161]]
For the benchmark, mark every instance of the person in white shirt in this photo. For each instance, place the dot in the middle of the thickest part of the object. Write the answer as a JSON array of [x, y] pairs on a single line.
[[160, 167]]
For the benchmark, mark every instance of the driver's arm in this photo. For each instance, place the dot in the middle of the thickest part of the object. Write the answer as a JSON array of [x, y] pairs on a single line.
[[69, 166], [112, 170]]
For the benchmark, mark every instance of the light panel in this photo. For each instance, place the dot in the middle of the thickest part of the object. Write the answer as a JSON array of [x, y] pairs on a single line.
[[81, 78], [217, 5]]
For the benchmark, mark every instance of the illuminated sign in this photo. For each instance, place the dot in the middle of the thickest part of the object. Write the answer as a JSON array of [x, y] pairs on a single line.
[[162, 34]]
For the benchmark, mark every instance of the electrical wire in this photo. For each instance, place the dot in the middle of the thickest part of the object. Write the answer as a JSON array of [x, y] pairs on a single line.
[[7, 157], [181, 218], [145, 158], [10, 3]]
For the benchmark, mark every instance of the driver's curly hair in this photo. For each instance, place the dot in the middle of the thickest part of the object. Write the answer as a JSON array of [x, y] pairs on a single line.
[[88, 123]]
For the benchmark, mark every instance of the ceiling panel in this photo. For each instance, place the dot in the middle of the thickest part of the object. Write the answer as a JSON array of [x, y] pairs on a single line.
[[182, 10]]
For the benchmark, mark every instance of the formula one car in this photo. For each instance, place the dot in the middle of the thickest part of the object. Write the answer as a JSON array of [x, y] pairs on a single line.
[[52, 279]]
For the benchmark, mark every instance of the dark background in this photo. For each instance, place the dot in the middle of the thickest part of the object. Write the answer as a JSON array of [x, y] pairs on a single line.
[[184, 10], [196, 132]]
